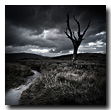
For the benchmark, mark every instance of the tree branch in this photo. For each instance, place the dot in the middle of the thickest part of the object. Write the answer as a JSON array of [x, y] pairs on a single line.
[[68, 26], [67, 34], [78, 25], [74, 36], [86, 28]]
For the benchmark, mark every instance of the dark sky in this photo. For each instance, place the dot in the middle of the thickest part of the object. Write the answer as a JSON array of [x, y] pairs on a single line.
[[40, 29]]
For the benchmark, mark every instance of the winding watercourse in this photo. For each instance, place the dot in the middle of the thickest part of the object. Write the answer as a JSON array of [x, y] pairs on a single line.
[[12, 96]]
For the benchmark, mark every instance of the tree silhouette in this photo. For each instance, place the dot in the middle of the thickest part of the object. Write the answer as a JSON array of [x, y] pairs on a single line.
[[76, 41]]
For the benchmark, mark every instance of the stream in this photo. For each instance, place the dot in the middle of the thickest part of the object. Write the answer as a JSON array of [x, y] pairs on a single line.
[[12, 96]]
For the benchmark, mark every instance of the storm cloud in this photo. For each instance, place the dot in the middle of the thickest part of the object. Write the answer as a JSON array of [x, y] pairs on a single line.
[[40, 29]]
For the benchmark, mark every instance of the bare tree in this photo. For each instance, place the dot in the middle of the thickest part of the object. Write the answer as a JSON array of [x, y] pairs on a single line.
[[76, 41]]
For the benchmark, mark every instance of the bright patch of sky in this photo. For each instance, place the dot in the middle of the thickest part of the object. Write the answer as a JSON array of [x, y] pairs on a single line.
[[40, 50], [101, 33], [97, 44]]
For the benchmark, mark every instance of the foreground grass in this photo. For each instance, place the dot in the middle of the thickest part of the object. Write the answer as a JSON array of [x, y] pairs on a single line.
[[62, 84]]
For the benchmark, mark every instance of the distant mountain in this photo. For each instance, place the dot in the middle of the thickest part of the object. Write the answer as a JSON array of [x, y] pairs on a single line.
[[14, 56], [81, 56]]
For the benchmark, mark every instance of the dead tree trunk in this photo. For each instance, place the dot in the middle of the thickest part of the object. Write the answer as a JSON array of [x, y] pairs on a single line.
[[76, 41], [74, 55]]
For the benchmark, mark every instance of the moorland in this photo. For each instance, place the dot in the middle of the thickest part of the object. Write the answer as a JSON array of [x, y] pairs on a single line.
[[61, 82]]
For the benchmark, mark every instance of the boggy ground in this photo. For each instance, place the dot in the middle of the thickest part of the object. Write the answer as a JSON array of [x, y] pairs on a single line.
[[62, 83]]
